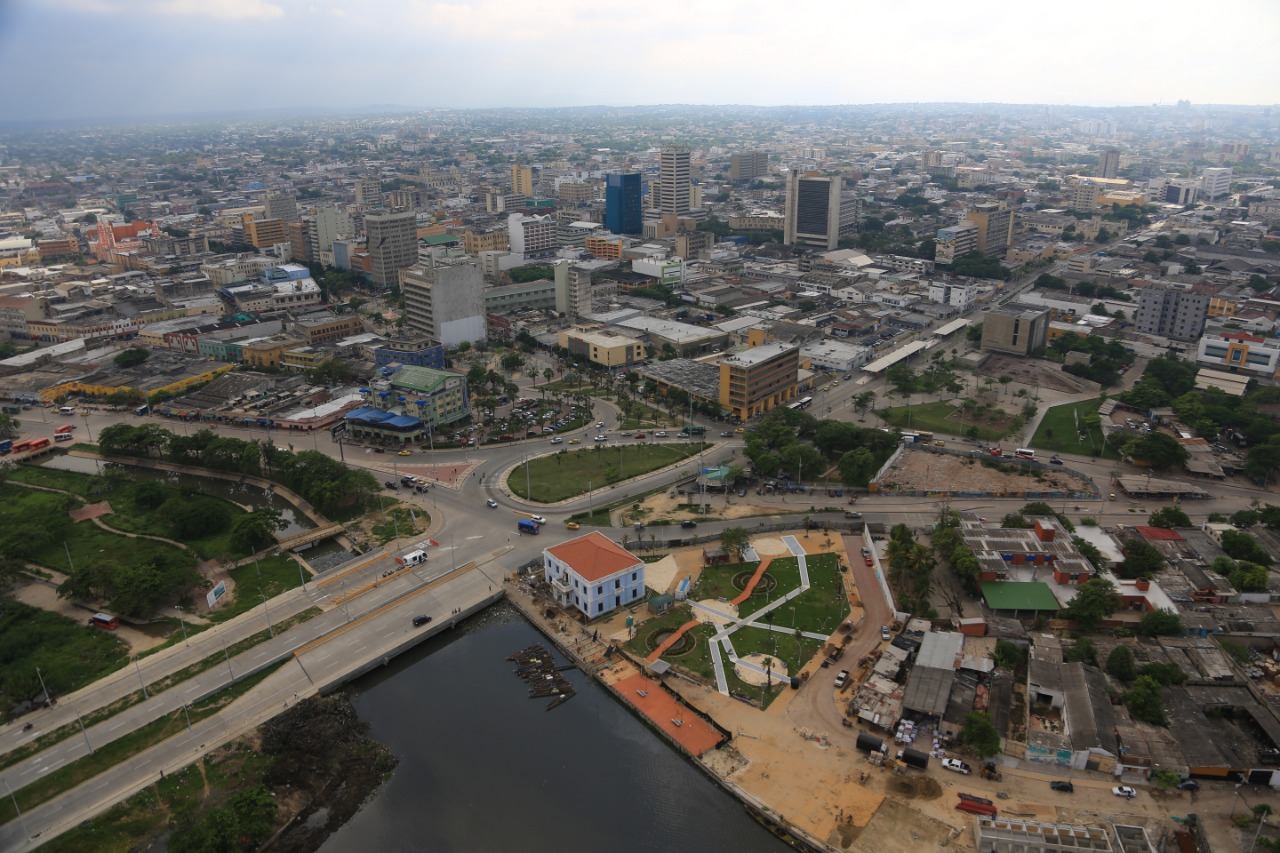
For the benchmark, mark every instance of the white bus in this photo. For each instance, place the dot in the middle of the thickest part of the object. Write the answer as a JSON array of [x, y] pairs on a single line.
[[1025, 453], [413, 558], [801, 404]]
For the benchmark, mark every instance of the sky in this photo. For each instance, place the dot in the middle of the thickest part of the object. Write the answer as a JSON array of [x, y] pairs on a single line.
[[69, 59]]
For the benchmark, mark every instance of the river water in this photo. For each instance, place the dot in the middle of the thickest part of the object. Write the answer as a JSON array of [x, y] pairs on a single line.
[[483, 768]]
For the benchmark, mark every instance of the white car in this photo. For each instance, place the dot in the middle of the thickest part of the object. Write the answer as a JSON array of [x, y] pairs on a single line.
[[537, 519], [842, 679], [557, 440], [599, 424], [659, 435], [602, 438], [492, 503], [955, 764], [1124, 791]]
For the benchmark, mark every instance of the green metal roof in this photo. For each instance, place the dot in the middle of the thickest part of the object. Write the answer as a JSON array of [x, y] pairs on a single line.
[[1019, 596]]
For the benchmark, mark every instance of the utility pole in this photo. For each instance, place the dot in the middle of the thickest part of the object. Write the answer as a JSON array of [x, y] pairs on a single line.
[[47, 698], [267, 612], [141, 683], [25, 831]]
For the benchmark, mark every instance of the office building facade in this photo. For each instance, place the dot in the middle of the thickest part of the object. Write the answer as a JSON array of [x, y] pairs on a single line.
[[1108, 163], [812, 211], [445, 302], [392, 245], [532, 236], [1215, 182], [522, 180], [1016, 329], [748, 165], [674, 177], [994, 222], [623, 204], [758, 380]]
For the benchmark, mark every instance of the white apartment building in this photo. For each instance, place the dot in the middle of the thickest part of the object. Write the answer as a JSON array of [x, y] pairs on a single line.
[[962, 296], [1215, 182], [532, 235]]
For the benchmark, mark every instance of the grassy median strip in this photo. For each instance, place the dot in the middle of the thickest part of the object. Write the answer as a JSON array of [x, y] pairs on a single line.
[[567, 473], [123, 748]]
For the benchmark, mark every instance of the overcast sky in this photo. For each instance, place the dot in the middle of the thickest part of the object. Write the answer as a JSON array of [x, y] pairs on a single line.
[[102, 58]]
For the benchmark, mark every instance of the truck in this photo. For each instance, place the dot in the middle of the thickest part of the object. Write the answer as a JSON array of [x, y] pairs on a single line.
[[914, 758], [142, 410], [413, 558], [524, 525], [696, 430]]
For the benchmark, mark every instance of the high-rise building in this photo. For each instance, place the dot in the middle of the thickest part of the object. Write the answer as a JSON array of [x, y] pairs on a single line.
[[759, 379], [1016, 329], [1171, 312], [813, 211], [748, 165], [322, 228], [994, 222], [392, 245], [282, 207], [521, 180], [674, 179], [955, 241], [263, 233], [623, 207], [1082, 196], [445, 301], [368, 191], [296, 234], [1215, 182], [1109, 163], [532, 236]]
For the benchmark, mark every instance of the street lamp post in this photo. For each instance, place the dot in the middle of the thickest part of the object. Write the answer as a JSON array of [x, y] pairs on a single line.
[[23, 820], [185, 641], [227, 658], [47, 698], [266, 610], [141, 683], [82, 731]]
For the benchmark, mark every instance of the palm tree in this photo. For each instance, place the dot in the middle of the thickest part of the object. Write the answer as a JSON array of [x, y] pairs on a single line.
[[548, 373]]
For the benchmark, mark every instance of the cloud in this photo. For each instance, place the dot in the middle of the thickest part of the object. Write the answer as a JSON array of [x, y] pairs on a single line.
[[223, 10]]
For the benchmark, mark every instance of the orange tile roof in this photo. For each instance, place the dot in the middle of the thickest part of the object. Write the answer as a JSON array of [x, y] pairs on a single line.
[[594, 556]]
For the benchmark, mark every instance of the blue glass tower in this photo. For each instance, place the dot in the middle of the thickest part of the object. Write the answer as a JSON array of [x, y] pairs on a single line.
[[622, 204]]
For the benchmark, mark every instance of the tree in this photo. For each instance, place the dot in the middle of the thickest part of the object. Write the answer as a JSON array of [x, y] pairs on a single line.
[[331, 372], [979, 734], [1262, 461], [1248, 577], [1120, 665], [1007, 655], [734, 540], [1145, 703], [512, 362], [1159, 450], [256, 530], [1095, 600], [131, 357], [1081, 651], [1159, 623], [1241, 546], [1169, 517], [1141, 560]]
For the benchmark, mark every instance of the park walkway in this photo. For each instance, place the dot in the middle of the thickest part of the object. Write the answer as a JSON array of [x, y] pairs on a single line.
[[671, 641], [751, 584]]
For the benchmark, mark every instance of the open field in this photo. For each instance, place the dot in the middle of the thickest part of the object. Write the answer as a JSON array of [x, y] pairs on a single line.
[[567, 473], [945, 418], [945, 472], [1057, 431]]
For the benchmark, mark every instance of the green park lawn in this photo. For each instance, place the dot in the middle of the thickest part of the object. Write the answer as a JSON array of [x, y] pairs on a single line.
[[69, 653], [933, 417], [567, 473], [1057, 431]]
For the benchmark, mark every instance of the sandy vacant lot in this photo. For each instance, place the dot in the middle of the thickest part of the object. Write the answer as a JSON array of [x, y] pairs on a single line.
[[920, 469]]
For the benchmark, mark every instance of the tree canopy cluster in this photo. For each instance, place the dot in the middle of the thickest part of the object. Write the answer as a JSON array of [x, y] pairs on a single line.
[[325, 483]]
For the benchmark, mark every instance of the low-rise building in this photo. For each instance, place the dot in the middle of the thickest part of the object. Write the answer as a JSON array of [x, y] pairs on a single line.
[[1239, 352], [318, 329], [1017, 329], [593, 574], [411, 351], [609, 350], [436, 397]]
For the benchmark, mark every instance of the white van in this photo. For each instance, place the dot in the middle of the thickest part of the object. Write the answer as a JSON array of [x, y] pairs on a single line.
[[413, 558], [1025, 453], [67, 410]]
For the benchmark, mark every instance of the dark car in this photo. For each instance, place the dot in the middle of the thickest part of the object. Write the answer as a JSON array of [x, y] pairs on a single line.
[[1189, 785], [1064, 787], [1054, 460], [688, 524], [419, 621], [390, 484]]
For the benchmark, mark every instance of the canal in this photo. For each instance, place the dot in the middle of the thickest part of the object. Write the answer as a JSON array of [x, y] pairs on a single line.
[[483, 768]]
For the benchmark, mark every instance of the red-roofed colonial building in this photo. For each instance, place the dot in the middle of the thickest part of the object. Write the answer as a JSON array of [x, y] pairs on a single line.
[[593, 574]]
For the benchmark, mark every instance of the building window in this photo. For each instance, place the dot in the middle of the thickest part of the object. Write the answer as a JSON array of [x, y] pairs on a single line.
[[633, 575], [600, 607]]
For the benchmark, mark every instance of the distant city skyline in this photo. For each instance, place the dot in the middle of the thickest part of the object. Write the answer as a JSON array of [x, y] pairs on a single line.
[[90, 59]]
